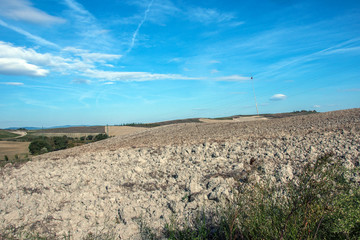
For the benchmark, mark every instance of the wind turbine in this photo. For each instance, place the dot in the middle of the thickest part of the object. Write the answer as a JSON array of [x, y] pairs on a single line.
[[257, 110]]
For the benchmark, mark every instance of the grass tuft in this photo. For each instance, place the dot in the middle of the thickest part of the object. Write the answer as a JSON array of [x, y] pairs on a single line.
[[321, 204]]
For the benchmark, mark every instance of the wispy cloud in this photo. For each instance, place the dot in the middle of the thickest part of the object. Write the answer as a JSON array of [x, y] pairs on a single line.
[[38, 103], [209, 16], [88, 56], [350, 90], [340, 48], [177, 59], [278, 97], [22, 10], [87, 26], [351, 50], [132, 43], [133, 76], [81, 81], [233, 78], [12, 83], [19, 67], [36, 39], [161, 10]]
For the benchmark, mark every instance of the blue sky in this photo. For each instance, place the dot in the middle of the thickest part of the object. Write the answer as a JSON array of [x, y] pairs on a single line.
[[120, 61]]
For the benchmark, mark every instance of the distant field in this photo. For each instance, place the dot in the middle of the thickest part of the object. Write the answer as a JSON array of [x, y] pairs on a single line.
[[60, 134], [85, 130], [7, 134], [11, 148], [124, 130], [157, 124]]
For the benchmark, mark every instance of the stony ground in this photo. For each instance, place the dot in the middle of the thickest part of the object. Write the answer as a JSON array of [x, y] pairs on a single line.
[[165, 172]]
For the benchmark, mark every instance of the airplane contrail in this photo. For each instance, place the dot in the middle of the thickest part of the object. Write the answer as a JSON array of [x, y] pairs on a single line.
[[139, 26]]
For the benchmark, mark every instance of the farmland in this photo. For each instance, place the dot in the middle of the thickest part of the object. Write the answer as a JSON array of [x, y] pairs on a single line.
[[11, 148], [7, 134]]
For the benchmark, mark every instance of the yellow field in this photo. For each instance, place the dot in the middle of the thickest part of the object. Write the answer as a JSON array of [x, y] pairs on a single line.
[[10, 149], [124, 130]]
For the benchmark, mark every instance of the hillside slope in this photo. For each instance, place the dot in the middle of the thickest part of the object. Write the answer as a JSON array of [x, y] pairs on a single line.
[[166, 171]]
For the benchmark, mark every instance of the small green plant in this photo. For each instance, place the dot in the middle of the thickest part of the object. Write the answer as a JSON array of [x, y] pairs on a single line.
[[6, 158], [197, 228]]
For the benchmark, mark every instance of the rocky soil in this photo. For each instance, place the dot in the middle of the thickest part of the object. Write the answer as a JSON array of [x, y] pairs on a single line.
[[164, 172]]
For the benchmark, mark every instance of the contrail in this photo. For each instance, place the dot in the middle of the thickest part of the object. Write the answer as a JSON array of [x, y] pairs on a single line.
[[139, 26]]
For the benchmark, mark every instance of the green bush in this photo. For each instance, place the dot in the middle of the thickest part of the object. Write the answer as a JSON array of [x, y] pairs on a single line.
[[39, 146], [101, 137], [60, 142], [90, 137]]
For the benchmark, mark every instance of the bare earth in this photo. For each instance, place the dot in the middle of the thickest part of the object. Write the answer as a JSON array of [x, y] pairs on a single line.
[[166, 171]]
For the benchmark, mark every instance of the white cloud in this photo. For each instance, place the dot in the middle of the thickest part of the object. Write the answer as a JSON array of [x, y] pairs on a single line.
[[22, 10], [232, 78], [132, 76], [9, 51], [26, 61], [16, 66], [214, 71], [13, 83], [278, 97], [214, 61], [30, 56], [316, 106]]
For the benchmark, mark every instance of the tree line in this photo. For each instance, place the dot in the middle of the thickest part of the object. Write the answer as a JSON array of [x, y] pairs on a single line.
[[44, 144]]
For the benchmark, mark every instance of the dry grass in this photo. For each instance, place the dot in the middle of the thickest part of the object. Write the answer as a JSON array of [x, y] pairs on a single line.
[[11, 149], [123, 130]]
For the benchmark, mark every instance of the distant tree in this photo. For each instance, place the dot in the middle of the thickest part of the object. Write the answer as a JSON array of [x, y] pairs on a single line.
[[90, 137], [60, 142], [82, 138], [101, 137]]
